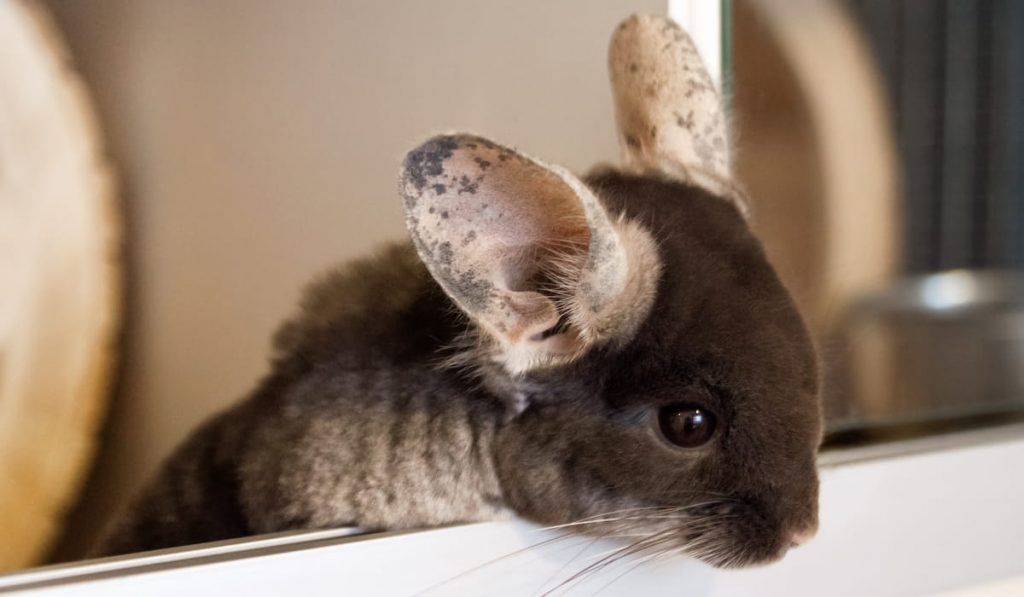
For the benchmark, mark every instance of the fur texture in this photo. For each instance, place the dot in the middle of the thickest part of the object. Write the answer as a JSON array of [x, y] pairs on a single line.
[[516, 355]]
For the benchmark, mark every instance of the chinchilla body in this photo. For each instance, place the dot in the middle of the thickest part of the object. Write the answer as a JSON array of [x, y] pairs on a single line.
[[612, 353], [359, 424]]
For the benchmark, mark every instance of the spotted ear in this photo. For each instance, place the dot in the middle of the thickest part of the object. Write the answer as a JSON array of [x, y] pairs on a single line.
[[525, 250], [669, 114]]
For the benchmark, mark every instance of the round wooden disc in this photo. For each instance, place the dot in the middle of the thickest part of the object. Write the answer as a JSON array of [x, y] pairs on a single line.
[[59, 283], [816, 152]]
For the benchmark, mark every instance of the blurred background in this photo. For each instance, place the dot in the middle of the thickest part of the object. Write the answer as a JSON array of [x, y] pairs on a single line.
[[230, 150]]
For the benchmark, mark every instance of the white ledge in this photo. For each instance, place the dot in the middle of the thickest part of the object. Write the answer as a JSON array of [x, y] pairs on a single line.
[[916, 523]]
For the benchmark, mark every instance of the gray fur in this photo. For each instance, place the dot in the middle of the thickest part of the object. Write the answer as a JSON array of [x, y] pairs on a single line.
[[392, 401], [361, 422], [334, 436]]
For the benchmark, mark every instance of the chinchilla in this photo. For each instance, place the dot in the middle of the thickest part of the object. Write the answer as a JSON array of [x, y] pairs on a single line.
[[613, 351]]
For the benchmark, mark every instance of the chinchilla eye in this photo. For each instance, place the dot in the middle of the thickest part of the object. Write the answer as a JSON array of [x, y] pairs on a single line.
[[687, 425]]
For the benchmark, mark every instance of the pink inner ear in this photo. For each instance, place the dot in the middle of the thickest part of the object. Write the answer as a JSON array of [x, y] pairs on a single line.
[[493, 226], [516, 203]]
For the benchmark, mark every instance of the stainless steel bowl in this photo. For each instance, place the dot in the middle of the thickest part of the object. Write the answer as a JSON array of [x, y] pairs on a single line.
[[937, 346]]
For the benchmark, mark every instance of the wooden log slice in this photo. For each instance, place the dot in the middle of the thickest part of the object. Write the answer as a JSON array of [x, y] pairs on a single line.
[[60, 277]]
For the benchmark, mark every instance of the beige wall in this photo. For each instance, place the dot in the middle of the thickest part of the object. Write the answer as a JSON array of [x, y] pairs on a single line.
[[259, 143]]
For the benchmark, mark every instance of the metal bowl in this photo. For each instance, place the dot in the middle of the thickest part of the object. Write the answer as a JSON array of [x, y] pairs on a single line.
[[936, 346]]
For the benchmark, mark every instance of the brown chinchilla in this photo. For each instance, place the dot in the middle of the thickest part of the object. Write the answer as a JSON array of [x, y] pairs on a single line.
[[612, 351]]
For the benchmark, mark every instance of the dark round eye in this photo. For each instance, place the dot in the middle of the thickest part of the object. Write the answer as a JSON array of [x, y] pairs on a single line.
[[686, 425]]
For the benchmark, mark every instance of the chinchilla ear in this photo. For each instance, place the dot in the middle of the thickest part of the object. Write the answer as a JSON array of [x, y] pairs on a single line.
[[526, 250], [669, 114]]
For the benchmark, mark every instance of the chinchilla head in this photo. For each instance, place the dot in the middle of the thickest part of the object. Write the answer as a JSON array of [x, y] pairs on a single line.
[[663, 385]]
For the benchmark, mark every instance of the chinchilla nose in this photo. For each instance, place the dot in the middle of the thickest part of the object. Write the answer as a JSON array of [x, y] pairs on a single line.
[[801, 536]]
